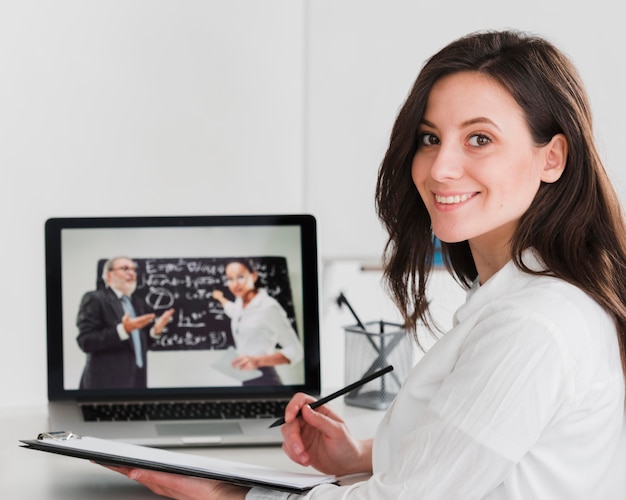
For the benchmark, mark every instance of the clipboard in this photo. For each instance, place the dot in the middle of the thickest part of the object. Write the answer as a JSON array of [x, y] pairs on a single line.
[[109, 452]]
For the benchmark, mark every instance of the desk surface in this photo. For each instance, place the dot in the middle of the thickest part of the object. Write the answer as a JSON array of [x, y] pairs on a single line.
[[36, 475]]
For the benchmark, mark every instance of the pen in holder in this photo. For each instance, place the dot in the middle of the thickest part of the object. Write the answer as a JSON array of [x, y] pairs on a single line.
[[369, 349]]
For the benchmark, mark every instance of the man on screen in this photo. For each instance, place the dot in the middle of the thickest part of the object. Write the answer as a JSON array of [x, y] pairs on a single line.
[[113, 330]]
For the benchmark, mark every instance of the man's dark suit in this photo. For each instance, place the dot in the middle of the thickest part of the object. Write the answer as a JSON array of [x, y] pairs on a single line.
[[110, 360]]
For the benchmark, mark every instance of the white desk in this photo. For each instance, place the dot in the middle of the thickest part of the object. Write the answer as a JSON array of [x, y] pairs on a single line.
[[34, 475]]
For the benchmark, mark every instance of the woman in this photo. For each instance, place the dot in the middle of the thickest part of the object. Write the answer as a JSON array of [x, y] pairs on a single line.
[[523, 398], [258, 325]]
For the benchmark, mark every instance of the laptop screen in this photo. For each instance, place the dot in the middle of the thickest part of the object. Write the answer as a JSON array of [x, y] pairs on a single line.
[[218, 276]]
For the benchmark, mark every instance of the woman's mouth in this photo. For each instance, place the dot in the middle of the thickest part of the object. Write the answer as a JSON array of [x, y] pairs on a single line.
[[453, 199]]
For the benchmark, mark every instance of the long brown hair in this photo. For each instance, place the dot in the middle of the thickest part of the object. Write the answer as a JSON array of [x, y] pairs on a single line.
[[575, 224]]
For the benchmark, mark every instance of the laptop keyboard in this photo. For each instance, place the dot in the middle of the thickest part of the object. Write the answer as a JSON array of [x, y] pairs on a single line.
[[189, 410]]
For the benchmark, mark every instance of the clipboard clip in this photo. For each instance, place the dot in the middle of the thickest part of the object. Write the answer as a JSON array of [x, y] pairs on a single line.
[[58, 436]]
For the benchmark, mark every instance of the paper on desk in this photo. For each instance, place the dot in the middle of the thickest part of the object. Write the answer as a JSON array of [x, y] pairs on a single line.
[[115, 452]]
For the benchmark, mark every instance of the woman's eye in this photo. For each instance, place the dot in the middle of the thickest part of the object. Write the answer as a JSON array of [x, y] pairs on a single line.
[[426, 139], [479, 140]]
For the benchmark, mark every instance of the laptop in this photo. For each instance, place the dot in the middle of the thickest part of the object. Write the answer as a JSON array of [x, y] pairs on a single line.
[[191, 393]]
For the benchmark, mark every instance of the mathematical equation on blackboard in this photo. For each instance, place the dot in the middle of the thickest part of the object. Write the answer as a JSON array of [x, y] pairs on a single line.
[[187, 284]]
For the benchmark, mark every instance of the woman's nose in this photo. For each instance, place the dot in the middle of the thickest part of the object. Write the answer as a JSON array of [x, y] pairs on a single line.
[[447, 164]]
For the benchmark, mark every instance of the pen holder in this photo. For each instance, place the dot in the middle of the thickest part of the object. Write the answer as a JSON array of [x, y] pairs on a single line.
[[371, 349]]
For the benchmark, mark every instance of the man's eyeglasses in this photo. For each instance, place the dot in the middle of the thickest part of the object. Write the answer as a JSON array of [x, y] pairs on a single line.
[[125, 269]]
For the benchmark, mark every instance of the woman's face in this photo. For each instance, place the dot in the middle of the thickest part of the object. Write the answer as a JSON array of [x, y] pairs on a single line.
[[476, 167], [239, 279]]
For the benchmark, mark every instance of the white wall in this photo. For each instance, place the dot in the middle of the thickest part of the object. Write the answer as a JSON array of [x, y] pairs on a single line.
[[156, 107], [147, 107]]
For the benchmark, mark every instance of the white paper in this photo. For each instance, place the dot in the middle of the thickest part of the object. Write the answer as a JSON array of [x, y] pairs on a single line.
[[227, 468]]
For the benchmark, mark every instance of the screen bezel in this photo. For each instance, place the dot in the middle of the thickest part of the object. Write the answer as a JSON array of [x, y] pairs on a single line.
[[54, 306]]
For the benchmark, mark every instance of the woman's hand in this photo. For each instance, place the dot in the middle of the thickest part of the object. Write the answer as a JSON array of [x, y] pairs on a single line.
[[254, 362], [219, 296], [245, 362], [320, 438], [182, 487]]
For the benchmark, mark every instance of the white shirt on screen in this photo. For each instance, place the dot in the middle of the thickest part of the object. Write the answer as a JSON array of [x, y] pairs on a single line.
[[262, 324]]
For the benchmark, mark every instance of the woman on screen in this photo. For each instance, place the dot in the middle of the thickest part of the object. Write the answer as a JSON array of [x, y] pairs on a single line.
[[259, 325]]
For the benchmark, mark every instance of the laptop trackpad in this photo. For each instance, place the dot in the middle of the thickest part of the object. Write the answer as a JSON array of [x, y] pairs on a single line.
[[200, 429]]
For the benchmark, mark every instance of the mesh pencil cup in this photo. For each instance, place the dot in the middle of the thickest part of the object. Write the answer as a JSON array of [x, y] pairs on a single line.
[[371, 349]]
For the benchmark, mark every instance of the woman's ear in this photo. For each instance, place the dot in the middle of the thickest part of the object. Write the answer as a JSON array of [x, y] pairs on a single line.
[[555, 159]]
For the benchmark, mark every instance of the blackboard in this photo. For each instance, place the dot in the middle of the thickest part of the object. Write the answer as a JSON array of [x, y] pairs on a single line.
[[186, 284]]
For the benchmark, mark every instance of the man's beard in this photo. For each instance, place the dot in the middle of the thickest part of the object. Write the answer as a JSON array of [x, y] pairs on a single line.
[[126, 287]]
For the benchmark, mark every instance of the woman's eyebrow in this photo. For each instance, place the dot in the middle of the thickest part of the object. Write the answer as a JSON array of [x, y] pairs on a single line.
[[480, 119], [466, 123]]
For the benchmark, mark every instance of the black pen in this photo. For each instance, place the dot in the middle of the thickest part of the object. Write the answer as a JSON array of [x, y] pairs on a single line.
[[340, 392]]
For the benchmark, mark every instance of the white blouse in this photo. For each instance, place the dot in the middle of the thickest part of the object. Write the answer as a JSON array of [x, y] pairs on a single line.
[[262, 324], [522, 399]]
